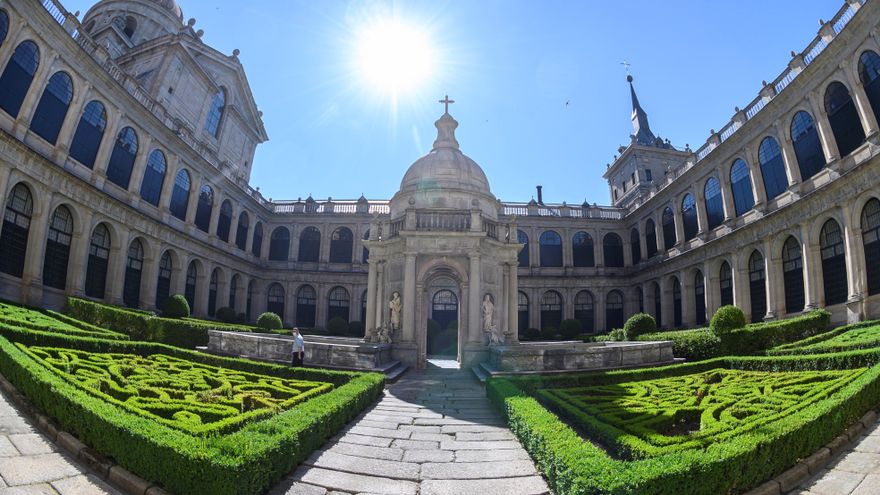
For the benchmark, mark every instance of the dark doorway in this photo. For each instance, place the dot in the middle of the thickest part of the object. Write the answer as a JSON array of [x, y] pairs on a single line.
[[443, 324]]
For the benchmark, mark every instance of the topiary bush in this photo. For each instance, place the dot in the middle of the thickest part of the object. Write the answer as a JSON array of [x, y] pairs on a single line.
[[337, 326], [570, 329], [639, 324], [618, 335], [548, 333], [269, 321], [175, 306], [356, 329], [529, 334], [727, 319], [226, 315]]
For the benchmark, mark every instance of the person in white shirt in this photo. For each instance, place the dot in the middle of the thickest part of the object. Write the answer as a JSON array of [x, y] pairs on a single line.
[[299, 348]]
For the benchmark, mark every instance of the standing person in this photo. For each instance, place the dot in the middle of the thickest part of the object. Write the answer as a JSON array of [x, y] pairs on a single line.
[[299, 348]]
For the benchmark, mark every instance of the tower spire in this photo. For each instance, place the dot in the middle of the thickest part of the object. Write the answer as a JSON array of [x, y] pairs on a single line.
[[641, 130]]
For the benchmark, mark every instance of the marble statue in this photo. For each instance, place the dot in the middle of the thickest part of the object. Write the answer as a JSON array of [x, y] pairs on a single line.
[[394, 306], [489, 321]]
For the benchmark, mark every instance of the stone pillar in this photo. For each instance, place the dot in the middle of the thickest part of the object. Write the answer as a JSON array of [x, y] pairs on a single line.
[[679, 224], [567, 251], [249, 240], [116, 267], [823, 126], [643, 242], [171, 171], [598, 251], [408, 318], [293, 253], [102, 159], [773, 279], [38, 85], [863, 105], [233, 224], [658, 230], [855, 267], [223, 289], [648, 294], [789, 158], [71, 121], [79, 255], [760, 192], [202, 280], [215, 213], [32, 275], [727, 195], [140, 165], [324, 248], [149, 279], [513, 303], [627, 251], [193, 200], [688, 301], [702, 216], [712, 291], [474, 328], [178, 278], [599, 311], [741, 287], [812, 266], [289, 303], [371, 298], [380, 295]]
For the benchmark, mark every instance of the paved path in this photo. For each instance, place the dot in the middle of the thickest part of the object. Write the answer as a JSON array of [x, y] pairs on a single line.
[[856, 471], [31, 464], [434, 432]]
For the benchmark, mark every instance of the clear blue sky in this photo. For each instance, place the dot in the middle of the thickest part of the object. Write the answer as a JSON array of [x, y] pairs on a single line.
[[510, 65]]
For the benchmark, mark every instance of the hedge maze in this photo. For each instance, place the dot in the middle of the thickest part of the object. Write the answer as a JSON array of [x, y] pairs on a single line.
[[185, 395], [864, 335], [644, 418]]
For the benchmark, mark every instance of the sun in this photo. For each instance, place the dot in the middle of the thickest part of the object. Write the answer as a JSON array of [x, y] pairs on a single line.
[[394, 57]]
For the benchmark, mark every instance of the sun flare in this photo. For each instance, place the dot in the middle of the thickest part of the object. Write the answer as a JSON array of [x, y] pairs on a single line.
[[394, 57]]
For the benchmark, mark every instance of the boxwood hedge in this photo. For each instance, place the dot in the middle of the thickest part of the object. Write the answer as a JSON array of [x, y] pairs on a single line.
[[862, 335], [247, 460], [729, 465], [51, 321]]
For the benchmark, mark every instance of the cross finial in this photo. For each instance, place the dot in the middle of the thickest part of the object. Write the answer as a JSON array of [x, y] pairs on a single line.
[[626, 65], [446, 101]]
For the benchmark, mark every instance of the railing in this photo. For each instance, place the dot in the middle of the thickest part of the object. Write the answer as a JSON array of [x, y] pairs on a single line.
[[335, 206], [443, 221], [562, 210], [395, 227]]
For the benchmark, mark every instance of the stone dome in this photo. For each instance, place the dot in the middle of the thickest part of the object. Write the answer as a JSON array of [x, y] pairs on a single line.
[[171, 6], [445, 166]]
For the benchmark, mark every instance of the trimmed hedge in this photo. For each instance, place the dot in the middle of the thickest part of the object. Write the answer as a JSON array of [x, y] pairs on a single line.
[[249, 460], [732, 465], [862, 335], [269, 321], [727, 319], [639, 324], [139, 325], [702, 343], [51, 321], [175, 306]]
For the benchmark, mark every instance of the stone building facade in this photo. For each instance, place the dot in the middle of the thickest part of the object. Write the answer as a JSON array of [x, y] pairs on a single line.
[[126, 146]]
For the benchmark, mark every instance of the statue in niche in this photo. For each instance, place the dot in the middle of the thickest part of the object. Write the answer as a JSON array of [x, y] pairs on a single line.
[[489, 321], [394, 306]]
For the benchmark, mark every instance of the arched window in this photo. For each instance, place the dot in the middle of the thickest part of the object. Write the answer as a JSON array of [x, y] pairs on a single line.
[[871, 242], [204, 208], [134, 265], [224, 220], [215, 114], [551, 310], [365, 255], [18, 76], [444, 311], [522, 312], [741, 186], [53, 106], [833, 263], [305, 306], [582, 250], [689, 216], [99, 256], [244, 223], [122, 158], [725, 278], [700, 297], [523, 255], [844, 118], [257, 245], [676, 303], [275, 300], [180, 195], [249, 301], [650, 238], [89, 132], [635, 246], [233, 290], [772, 168], [163, 284], [341, 242], [757, 286], [583, 311], [551, 249], [212, 292], [613, 310], [58, 248], [658, 305], [309, 244], [793, 275], [338, 304], [16, 226], [4, 25], [154, 177], [807, 147], [668, 221], [869, 75], [279, 244], [189, 291], [612, 248], [714, 203]]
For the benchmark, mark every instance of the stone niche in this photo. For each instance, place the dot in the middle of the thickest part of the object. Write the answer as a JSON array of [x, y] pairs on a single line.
[[578, 356]]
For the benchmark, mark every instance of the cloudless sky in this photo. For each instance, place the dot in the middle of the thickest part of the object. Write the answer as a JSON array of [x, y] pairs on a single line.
[[511, 66]]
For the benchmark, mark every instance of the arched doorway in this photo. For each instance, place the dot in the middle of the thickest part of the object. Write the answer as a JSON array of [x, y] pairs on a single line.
[[442, 338]]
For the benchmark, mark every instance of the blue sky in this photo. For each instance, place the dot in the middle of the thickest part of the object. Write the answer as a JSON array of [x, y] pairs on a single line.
[[511, 66]]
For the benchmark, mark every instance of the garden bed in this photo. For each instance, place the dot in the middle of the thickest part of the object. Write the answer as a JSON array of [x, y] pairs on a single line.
[[863, 335]]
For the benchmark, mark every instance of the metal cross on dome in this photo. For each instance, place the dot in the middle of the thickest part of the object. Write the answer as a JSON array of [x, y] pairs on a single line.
[[446, 101]]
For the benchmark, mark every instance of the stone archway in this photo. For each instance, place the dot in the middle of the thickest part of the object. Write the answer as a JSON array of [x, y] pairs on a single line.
[[441, 315]]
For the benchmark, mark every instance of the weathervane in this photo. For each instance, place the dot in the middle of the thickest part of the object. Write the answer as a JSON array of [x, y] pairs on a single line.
[[446, 101], [626, 65]]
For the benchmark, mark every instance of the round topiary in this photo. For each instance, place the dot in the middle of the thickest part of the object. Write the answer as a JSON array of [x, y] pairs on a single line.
[[569, 329], [226, 315], [269, 321], [175, 306], [639, 324], [355, 329], [337, 326], [727, 319], [530, 334]]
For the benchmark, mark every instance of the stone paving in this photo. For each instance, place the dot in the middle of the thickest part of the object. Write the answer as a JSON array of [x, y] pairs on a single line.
[[434, 432], [31, 464], [855, 472]]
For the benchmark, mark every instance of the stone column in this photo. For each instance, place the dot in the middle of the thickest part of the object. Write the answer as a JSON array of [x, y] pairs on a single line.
[[643, 242], [679, 224], [201, 300], [149, 279], [823, 126], [474, 328], [702, 216], [140, 165], [71, 121], [812, 265], [727, 195], [193, 200], [215, 213], [688, 301], [408, 318], [774, 281], [249, 240], [627, 251], [863, 105], [38, 85], [599, 311], [108, 140], [741, 287], [648, 294], [32, 275], [79, 255], [223, 289], [513, 302], [380, 295], [760, 192], [658, 230], [116, 267], [233, 224], [856, 276], [171, 170], [178, 278], [598, 251], [371, 297], [567, 253], [789, 157], [324, 248], [293, 253], [289, 303], [713, 292]]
